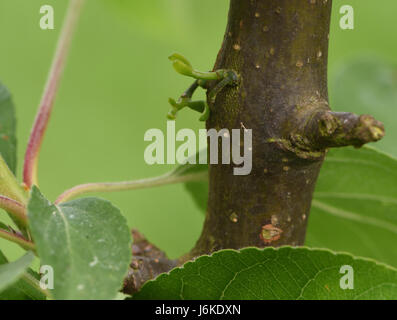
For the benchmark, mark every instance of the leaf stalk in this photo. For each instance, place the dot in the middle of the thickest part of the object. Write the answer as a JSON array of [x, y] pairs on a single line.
[[50, 91], [168, 178]]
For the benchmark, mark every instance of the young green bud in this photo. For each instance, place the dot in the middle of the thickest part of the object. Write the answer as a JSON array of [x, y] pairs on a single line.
[[183, 68], [177, 56]]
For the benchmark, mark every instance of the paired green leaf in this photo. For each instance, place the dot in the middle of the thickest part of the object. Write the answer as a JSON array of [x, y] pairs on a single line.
[[181, 65], [11, 272], [284, 273], [8, 141], [87, 243]]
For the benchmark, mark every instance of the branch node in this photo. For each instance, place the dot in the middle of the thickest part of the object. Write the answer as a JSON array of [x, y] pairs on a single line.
[[338, 129], [147, 263]]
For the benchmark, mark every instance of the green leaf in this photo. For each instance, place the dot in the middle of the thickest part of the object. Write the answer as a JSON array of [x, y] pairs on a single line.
[[4, 227], [87, 242], [355, 204], [284, 273], [179, 57], [11, 272], [21, 289], [368, 85], [3, 258], [8, 140]]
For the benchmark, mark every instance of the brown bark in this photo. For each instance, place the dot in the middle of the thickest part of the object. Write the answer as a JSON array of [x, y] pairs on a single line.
[[147, 263]]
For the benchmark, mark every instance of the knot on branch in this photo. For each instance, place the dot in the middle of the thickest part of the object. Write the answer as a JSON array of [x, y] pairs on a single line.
[[319, 129], [148, 262], [339, 129]]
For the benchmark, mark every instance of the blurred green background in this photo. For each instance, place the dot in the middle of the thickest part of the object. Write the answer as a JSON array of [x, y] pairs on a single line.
[[118, 80]]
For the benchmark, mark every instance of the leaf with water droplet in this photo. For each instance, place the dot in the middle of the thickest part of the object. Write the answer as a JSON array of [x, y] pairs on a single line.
[[86, 241]]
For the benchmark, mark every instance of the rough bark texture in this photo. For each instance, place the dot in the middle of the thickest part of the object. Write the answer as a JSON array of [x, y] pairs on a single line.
[[280, 50], [147, 263]]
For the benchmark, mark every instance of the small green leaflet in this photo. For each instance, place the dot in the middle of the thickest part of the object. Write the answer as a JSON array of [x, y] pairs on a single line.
[[274, 274], [8, 141], [87, 243], [11, 272]]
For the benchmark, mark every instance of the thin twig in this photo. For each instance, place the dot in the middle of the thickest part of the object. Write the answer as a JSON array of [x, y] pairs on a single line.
[[129, 185], [15, 209], [22, 242], [51, 88]]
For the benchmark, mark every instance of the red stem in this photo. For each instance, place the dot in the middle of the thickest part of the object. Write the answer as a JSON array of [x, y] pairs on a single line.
[[15, 209], [18, 239], [47, 101]]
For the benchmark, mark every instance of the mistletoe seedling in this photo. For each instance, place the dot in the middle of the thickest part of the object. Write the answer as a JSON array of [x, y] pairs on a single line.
[[222, 78]]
